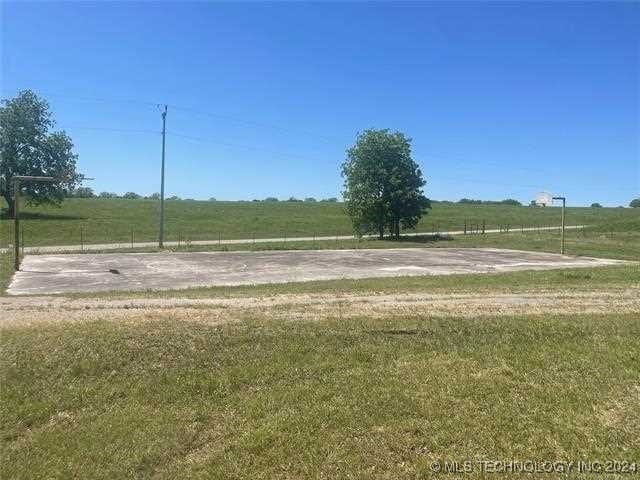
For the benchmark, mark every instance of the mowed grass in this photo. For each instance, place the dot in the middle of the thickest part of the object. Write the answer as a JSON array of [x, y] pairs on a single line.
[[327, 399], [118, 220], [6, 270]]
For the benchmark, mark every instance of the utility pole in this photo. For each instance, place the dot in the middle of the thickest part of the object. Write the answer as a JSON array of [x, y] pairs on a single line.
[[562, 234], [161, 233]]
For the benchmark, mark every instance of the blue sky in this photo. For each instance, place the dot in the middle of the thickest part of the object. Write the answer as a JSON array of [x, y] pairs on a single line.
[[501, 99]]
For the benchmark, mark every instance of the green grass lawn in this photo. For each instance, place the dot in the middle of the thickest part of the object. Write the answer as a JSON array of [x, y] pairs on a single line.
[[326, 399], [115, 220], [6, 270]]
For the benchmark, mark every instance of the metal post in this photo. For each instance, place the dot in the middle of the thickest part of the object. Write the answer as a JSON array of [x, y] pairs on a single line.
[[564, 201], [16, 225], [81, 240], [16, 209], [161, 233], [562, 237]]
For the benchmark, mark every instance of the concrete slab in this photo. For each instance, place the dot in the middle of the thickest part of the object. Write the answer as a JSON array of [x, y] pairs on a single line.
[[48, 274]]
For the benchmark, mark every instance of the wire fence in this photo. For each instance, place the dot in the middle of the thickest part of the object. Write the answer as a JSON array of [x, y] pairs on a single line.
[[92, 234]]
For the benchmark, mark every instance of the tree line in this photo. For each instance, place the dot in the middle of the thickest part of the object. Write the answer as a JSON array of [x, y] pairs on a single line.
[[508, 201], [87, 192]]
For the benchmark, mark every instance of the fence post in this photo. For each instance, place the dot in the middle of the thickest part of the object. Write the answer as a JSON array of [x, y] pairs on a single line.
[[22, 239], [465, 226], [483, 225], [219, 238], [81, 240]]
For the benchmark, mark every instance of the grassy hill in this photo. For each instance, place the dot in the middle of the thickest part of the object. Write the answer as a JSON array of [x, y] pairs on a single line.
[[115, 220]]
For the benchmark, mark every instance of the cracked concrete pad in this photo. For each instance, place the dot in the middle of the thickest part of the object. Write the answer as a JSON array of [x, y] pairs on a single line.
[[49, 274]]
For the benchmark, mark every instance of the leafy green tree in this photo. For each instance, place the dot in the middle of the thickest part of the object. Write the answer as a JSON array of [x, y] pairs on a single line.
[[108, 195], [131, 196], [596, 205], [271, 199], [309, 199], [27, 147], [635, 203], [383, 184], [82, 192], [511, 201]]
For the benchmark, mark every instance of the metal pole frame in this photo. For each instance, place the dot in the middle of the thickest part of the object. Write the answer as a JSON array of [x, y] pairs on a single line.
[[15, 180], [564, 201]]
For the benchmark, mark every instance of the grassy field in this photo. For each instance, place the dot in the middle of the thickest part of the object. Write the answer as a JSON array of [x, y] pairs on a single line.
[[368, 398], [333, 390], [116, 220]]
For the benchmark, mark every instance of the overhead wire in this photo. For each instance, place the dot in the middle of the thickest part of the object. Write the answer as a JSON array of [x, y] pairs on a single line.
[[278, 127]]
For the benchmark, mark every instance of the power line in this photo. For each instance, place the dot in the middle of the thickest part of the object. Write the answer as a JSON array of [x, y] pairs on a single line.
[[324, 138], [254, 123], [485, 182], [237, 145], [486, 162], [109, 129]]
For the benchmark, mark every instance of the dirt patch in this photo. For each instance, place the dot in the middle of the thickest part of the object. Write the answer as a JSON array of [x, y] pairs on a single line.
[[26, 310]]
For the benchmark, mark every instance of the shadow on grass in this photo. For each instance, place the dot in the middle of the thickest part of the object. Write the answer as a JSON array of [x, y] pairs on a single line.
[[4, 215], [424, 238]]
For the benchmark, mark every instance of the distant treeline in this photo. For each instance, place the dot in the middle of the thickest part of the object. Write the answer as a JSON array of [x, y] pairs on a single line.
[[86, 192], [294, 199], [469, 201]]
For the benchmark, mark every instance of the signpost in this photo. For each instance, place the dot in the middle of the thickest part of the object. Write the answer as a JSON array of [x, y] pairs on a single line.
[[16, 180], [544, 199]]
